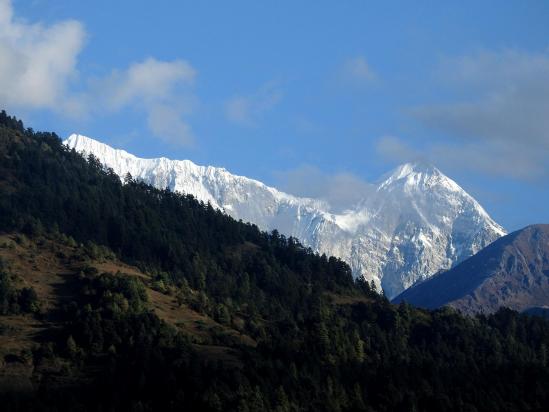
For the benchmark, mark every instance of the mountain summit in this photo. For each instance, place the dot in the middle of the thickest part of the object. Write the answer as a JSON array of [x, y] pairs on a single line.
[[412, 171], [415, 223]]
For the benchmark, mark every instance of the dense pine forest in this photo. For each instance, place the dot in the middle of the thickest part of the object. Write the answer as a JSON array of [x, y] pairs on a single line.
[[297, 333]]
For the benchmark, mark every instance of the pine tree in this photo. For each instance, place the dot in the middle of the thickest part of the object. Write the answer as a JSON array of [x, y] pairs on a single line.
[[358, 347], [282, 402], [323, 337], [72, 348], [256, 403]]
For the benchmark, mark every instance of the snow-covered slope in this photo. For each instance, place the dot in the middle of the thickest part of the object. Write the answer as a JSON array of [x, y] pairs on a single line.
[[416, 223]]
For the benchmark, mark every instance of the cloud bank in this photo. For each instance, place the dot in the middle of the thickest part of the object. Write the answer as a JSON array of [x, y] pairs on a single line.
[[498, 121]]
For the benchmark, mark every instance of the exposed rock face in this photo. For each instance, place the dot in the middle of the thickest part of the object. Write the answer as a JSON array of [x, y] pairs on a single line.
[[513, 272], [414, 223]]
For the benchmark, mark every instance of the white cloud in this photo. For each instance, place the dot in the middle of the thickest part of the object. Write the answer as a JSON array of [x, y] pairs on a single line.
[[167, 123], [38, 65], [498, 121], [248, 110], [341, 190], [159, 89], [357, 69], [148, 81], [37, 62]]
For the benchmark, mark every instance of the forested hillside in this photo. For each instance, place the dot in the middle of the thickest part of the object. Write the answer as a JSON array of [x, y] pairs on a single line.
[[291, 330]]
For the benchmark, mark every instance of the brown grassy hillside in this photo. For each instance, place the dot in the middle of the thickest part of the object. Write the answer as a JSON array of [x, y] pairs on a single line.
[[51, 266]]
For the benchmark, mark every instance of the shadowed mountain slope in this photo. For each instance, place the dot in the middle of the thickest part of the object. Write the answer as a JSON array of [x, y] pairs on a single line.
[[513, 272]]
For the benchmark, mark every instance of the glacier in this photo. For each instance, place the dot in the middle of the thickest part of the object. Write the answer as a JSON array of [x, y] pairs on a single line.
[[415, 223]]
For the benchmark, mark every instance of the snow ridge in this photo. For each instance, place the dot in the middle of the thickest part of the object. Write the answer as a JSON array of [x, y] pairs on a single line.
[[416, 223]]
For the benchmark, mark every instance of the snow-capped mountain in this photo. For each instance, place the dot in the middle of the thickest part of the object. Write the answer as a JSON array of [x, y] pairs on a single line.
[[416, 223]]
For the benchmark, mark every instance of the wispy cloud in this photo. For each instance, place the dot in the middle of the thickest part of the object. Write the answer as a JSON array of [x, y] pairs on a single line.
[[160, 89], [167, 123], [150, 81], [396, 149], [247, 110], [340, 190], [357, 70], [498, 121]]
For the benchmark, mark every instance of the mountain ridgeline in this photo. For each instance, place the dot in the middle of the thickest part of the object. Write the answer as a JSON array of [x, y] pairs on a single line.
[[415, 222], [512, 272], [142, 299]]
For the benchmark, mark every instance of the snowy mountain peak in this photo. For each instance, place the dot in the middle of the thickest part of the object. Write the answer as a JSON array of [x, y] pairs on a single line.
[[416, 223], [86, 144], [206, 183], [415, 168], [418, 175]]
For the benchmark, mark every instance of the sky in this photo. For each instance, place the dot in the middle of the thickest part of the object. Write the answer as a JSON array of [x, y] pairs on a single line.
[[318, 98]]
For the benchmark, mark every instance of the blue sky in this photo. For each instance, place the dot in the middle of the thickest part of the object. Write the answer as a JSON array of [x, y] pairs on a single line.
[[301, 95]]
